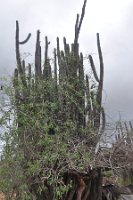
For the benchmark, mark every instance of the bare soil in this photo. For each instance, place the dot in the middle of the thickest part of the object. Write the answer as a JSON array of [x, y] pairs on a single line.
[[2, 196]]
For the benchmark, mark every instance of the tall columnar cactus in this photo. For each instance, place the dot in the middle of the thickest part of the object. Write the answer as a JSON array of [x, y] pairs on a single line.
[[38, 67], [78, 27], [18, 57], [47, 67], [85, 108], [97, 108], [61, 93]]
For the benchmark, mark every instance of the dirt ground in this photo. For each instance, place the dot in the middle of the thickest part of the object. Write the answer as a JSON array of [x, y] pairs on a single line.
[[2, 197]]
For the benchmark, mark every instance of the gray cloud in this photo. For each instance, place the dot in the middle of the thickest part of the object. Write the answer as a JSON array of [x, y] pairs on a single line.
[[119, 67], [57, 18]]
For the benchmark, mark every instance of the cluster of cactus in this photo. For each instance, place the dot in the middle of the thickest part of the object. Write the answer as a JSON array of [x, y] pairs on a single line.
[[56, 93], [79, 103]]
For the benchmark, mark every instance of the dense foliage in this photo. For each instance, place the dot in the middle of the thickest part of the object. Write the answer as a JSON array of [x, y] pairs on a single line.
[[56, 121]]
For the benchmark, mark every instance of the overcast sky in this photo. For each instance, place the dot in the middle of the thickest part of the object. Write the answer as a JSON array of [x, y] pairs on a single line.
[[113, 19]]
